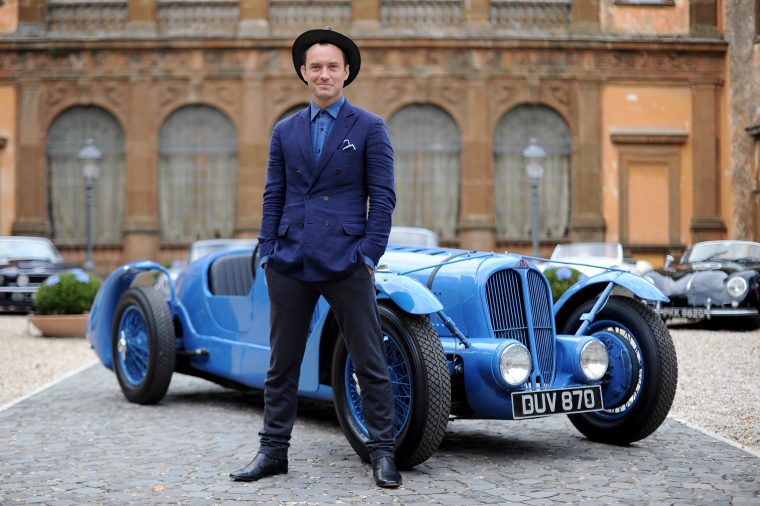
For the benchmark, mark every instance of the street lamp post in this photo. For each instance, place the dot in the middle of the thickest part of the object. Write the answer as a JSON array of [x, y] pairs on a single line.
[[90, 156], [534, 157]]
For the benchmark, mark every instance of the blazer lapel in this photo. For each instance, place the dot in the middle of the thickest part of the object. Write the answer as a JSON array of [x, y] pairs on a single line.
[[303, 134], [340, 129]]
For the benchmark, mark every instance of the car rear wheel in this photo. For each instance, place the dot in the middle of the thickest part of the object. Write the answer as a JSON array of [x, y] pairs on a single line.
[[640, 383], [142, 344], [421, 388]]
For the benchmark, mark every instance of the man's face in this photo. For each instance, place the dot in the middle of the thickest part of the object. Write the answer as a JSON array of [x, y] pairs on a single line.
[[325, 70]]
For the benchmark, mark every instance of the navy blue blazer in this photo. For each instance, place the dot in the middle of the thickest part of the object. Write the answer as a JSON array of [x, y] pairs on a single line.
[[321, 219]]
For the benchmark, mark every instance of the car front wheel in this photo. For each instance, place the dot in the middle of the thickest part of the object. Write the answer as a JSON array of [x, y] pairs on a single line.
[[421, 388], [640, 383], [142, 344]]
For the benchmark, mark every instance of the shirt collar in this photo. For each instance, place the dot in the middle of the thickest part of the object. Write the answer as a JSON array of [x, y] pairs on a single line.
[[333, 109]]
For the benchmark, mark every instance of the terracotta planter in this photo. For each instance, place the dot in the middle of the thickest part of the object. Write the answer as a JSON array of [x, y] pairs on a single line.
[[60, 325]]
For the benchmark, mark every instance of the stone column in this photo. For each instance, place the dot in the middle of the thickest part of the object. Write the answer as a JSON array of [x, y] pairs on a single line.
[[31, 194], [586, 217], [142, 17], [706, 223], [254, 18], [141, 223], [584, 17], [365, 17], [32, 16], [477, 16], [476, 220], [253, 153]]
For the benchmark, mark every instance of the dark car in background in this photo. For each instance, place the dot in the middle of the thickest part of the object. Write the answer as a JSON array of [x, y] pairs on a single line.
[[713, 280], [25, 262]]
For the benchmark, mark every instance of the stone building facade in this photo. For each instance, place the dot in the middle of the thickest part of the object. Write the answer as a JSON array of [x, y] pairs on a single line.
[[628, 97]]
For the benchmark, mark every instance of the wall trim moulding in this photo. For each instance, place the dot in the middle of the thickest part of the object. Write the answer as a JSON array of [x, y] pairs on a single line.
[[648, 135]]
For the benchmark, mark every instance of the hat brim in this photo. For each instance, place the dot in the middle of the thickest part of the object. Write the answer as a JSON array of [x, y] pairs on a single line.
[[349, 47]]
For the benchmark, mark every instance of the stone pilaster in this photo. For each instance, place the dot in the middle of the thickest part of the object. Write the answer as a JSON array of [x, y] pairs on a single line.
[[141, 222], [476, 221], [477, 16], [703, 18], [32, 18], [254, 18], [142, 17], [706, 222], [365, 17], [584, 17], [253, 149], [586, 217], [31, 204]]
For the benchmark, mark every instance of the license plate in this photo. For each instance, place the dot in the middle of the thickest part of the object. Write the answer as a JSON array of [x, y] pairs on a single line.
[[683, 312], [554, 402]]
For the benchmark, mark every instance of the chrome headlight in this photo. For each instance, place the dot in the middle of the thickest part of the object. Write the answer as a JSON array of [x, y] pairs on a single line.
[[515, 364], [594, 360], [736, 287], [22, 280]]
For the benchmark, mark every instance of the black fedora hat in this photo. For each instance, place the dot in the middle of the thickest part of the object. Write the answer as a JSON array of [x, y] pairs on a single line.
[[311, 37]]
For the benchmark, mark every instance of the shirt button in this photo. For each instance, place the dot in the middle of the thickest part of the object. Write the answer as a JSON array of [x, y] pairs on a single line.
[[327, 223], [325, 198]]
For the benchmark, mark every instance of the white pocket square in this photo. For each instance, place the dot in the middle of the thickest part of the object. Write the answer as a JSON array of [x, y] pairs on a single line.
[[347, 145]]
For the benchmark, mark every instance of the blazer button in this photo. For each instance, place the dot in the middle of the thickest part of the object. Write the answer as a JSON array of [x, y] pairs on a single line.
[[327, 223], [300, 224], [299, 173], [338, 171], [325, 198], [308, 197]]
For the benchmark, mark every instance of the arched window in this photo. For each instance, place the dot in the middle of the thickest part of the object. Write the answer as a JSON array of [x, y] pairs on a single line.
[[197, 175], [511, 184], [426, 144], [66, 185]]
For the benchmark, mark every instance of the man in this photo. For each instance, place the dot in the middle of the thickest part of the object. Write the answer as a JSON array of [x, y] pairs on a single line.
[[326, 163]]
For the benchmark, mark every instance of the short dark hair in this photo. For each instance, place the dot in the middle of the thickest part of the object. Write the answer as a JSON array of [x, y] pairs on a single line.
[[345, 55]]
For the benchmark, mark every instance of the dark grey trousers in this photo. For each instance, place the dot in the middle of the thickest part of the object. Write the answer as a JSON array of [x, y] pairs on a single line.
[[352, 299]]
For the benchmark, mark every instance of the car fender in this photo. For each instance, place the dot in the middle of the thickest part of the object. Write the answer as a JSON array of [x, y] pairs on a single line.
[[100, 320], [594, 285], [407, 293]]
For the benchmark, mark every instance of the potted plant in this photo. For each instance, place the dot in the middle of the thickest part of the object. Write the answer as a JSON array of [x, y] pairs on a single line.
[[62, 303]]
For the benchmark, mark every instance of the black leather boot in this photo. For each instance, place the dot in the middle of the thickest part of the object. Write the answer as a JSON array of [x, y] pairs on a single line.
[[385, 472], [260, 467]]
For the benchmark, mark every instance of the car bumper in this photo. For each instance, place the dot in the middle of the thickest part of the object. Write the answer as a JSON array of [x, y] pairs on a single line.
[[17, 298]]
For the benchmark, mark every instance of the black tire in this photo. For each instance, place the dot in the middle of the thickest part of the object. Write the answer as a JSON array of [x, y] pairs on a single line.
[[143, 306], [425, 421], [646, 403]]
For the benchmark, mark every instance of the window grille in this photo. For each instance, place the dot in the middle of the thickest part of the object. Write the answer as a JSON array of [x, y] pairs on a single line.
[[531, 15], [197, 175], [66, 184], [511, 183], [427, 169]]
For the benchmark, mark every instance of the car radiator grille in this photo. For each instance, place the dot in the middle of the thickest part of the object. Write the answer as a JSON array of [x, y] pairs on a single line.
[[506, 293]]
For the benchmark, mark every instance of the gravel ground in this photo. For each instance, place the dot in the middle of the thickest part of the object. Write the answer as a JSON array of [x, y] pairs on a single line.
[[718, 384]]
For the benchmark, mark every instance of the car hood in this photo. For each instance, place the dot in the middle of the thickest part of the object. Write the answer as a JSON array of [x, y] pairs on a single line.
[[684, 270], [697, 282]]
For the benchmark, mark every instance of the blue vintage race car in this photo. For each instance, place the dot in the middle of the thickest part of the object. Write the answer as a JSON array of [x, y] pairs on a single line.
[[467, 334]]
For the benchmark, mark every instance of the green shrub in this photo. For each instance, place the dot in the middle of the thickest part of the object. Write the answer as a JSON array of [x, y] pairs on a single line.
[[562, 278], [67, 293]]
